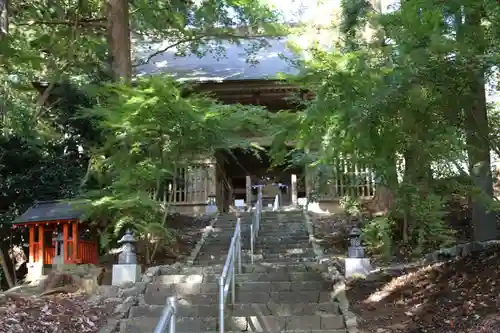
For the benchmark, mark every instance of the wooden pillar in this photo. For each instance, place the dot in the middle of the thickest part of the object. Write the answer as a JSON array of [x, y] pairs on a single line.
[[65, 242], [294, 190], [74, 255], [248, 191], [32, 243], [41, 243]]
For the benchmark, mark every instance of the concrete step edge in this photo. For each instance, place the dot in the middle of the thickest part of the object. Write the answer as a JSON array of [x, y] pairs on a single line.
[[257, 323]]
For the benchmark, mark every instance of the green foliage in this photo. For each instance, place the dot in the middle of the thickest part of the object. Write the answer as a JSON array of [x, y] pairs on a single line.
[[378, 237], [152, 131], [400, 100], [350, 205], [133, 137], [423, 214]]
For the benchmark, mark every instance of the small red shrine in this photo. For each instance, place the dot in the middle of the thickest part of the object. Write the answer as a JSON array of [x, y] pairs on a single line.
[[57, 234]]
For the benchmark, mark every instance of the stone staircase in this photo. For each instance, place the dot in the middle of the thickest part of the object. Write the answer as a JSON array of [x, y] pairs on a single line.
[[283, 238], [281, 292], [214, 250]]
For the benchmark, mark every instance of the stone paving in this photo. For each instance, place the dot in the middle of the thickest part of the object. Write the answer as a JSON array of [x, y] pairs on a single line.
[[285, 290]]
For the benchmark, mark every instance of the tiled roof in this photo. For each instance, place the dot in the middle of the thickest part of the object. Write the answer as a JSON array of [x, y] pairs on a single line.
[[272, 60], [53, 210]]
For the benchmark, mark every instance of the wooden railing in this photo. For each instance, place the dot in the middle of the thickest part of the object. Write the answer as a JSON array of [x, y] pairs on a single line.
[[346, 179], [190, 186], [86, 253]]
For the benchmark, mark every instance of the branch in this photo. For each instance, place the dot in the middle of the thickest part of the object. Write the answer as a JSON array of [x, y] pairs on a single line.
[[198, 38], [83, 22], [165, 49]]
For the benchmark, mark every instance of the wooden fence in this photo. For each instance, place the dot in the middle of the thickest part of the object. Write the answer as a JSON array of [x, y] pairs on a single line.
[[344, 178]]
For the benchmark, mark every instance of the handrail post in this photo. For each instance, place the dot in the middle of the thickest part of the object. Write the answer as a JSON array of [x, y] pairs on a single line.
[[239, 247], [251, 241], [173, 317], [168, 317], [221, 304], [233, 285]]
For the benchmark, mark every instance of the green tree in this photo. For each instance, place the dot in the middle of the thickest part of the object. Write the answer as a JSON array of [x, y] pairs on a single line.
[[409, 97]]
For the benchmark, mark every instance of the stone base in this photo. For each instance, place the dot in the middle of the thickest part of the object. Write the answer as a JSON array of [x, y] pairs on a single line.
[[58, 260], [124, 273], [210, 209], [357, 267], [35, 271]]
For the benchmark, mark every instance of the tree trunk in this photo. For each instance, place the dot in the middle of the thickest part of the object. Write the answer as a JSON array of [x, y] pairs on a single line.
[[5, 268], [476, 126], [4, 18], [117, 13]]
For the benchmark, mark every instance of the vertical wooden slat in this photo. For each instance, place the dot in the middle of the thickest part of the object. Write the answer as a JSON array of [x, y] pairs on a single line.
[[41, 243], [32, 243], [65, 242], [74, 255], [174, 184], [294, 189], [356, 184], [366, 181], [185, 179], [207, 182], [342, 178]]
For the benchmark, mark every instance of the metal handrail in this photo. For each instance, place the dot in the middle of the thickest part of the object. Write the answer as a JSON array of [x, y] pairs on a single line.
[[228, 276], [255, 226], [168, 317]]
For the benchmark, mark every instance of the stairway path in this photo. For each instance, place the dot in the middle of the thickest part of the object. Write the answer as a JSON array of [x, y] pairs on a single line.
[[284, 291]]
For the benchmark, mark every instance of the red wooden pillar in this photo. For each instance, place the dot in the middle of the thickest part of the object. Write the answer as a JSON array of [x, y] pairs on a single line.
[[41, 244], [74, 255], [66, 242], [32, 243], [95, 254]]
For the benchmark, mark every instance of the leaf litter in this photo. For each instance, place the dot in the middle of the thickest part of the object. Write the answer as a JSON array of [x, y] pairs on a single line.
[[66, 313], [458, 296]]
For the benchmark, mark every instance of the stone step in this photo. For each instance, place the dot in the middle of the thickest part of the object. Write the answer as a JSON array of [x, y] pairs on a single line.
[[271, 255], [278, 260], [205, 260], [263, 235], [240, 310], [266, 223], [243, 286], [312, 266], [245, 232], [245, 245], [270, 242], [268, 276], [156, 294], [239, 324], [280, 246], [226, 237]]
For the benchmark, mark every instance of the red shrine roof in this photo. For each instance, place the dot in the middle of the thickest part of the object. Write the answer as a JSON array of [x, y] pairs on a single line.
[[53, 210]]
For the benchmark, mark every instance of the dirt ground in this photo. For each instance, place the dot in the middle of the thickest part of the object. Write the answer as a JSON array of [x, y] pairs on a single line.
[[331, 231], [187, 231], [51, 314], [460, 296], [26, 311]]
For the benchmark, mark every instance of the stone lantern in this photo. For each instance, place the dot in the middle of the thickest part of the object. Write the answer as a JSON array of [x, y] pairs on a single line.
[[127, 254], [127, 270], [356, 264], [355, 249]]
